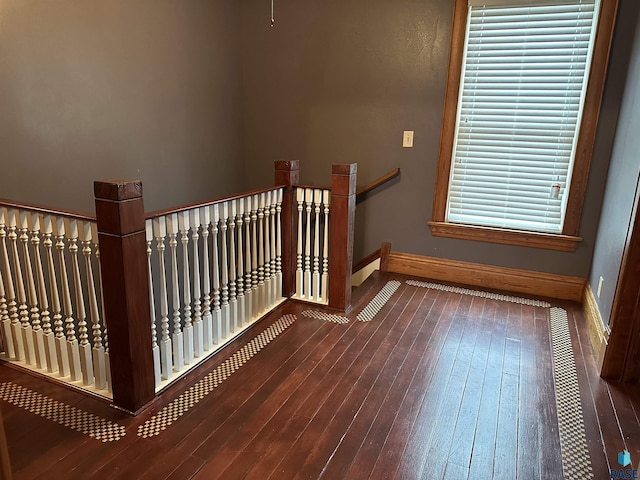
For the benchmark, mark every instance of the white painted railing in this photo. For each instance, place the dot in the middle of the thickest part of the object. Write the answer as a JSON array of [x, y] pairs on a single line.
[[312, 254], [213, 270], [50, 298]]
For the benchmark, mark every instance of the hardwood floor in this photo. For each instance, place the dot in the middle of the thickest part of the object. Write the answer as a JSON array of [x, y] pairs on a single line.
[[436, 385]]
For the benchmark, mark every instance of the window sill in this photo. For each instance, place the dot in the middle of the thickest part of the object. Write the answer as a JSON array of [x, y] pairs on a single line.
[[564, 243]]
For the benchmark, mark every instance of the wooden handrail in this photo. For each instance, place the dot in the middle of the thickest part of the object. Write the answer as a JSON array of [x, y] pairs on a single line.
[[376, 183], [47, 210], [206, 203], [372, 257]]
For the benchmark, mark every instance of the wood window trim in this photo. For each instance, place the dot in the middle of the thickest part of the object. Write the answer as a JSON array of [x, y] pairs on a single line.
[[568, 239]]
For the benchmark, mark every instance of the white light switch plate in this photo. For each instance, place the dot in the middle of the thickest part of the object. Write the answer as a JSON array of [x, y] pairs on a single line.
[[407, 138]]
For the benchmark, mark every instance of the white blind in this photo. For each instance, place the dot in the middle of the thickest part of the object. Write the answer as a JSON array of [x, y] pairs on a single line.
[[524, 76]]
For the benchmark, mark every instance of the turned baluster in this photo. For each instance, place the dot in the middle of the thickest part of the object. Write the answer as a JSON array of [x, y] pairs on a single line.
[[233, 301], [7, 297], [299, 277], [248, 291], [207, 323], [4, 314], [187, 331], [29, 332], [89, 233], [242, 310], [177, 339], [155, 349], [279, 245], [198, 345], [325, 251], [60, 342], [160, 232], [254, 257], [226, 321], [267, 288], [21, 316], [41, 294], [272, 245], [308, 198], [42, 223], [105, 330], [217, 313], [317, 198], [80, 347], [261, 289]]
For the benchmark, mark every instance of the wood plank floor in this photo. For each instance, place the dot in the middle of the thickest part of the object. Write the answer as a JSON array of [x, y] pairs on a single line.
[[435, 385]]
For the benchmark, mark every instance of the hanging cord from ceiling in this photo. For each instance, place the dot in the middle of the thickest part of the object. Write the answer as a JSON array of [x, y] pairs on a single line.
[[273, 20]]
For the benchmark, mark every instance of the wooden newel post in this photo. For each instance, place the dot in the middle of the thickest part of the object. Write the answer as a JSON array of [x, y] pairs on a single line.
[[123, 257], [341, 225], [287, 173]]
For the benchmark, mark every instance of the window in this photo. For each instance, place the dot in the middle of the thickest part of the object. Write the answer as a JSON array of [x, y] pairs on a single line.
[[522, 101]]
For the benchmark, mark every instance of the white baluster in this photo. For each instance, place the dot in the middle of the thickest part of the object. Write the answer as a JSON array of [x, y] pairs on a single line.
[[299, 277], [308, 199], [160, 232], [21, 314], [198, 344], [38, 331], [317, 198], [155, 349], [279, 245], [254, 258], [225, 273], [187, 331], [23, 309], [89, 233], [261, 288], [233, 302], [242, 310], [82, 365], [105, 330], [248, 291], [177, 340], [268, 286], [28, 327], [207, 323], [272, 242], [6, 296], [64, 364], [325, 253], [48, 336], [217, 313]]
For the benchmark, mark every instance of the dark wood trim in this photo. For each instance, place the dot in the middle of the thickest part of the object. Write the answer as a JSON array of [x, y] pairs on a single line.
[[125, 290], [385, 251], [188, 206], [590, 115], [287, 173], [5, 461], [622, 356], [372, 257], [585, 140], [47, 210], [456, 52], [341, 229], [362, 191], [488, 276], [548, 241]]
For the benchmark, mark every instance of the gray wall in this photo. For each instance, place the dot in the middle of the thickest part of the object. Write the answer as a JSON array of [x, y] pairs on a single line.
[[338, 81], [146, 89], [624, 170]]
